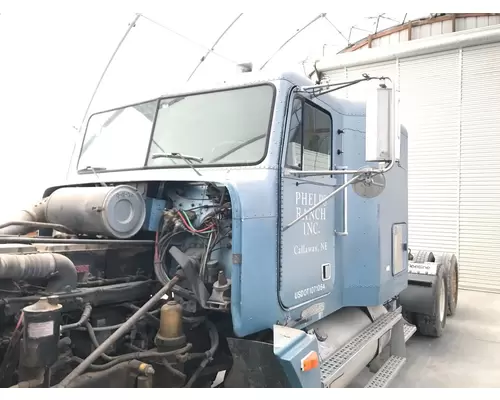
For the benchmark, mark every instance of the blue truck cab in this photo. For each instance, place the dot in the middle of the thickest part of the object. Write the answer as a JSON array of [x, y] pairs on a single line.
[[280, 210]]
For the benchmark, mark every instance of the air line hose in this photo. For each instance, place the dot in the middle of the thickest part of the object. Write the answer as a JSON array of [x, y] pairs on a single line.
[[118, 333]]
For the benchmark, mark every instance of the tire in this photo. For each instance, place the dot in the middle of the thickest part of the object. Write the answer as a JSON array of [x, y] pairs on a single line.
[[433, 325], [424, 256], [450, 264]]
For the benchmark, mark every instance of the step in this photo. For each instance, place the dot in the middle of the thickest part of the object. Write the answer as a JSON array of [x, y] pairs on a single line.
[[409, 331], [332, 367], [387, 372]]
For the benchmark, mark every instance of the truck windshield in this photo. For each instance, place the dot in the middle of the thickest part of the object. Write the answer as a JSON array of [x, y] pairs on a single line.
[[223, 127], [118, 139]]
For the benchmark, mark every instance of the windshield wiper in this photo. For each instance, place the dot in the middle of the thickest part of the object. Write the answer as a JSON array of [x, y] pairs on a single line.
[[94, 170], [176, 156], [91, 169], [238, 147], [187, 159]]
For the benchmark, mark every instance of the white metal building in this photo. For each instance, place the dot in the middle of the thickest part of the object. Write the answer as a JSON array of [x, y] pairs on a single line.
[[449, 90]]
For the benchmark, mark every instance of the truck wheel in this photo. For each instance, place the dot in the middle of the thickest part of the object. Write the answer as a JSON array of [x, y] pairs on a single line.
[[450, 264], [433, 324], [423, 257]]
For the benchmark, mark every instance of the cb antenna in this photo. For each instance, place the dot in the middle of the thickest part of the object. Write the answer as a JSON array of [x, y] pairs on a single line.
[[131, 25], [322, 15], [211, 50]]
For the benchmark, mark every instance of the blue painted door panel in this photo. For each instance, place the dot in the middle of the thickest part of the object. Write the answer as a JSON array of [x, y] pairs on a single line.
[[307, 269]]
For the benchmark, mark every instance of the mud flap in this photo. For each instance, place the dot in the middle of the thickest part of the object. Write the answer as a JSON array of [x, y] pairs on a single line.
[[254, 366], [417, 297], [278, 365], [422, 301]]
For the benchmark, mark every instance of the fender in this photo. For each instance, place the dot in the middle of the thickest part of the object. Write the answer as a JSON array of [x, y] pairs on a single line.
[[422, 278]]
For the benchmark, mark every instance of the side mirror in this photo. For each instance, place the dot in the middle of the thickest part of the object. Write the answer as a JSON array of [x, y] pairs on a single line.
[[380, 124]]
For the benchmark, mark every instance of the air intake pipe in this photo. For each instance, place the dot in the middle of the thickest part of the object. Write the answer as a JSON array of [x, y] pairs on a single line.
[[58, 268], [35, 213]]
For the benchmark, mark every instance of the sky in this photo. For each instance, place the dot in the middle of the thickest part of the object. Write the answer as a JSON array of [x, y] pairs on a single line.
[[53, 54]]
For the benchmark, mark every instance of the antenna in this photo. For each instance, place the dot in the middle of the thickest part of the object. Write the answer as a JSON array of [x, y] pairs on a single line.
[[213, 46], [322, 15], [131, 25], [188, 39]]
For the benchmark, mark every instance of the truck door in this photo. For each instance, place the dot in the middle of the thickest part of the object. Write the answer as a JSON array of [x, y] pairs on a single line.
[[307, 258]]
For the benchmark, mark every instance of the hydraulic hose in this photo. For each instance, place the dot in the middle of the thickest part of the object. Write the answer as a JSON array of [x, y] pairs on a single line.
[[58, 268], [133, 366], [118, 333], [83, 319], [214, 341], [130, 356]]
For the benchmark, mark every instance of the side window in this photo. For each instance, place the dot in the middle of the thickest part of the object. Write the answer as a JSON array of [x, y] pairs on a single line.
[[310, 140], [294, 148]]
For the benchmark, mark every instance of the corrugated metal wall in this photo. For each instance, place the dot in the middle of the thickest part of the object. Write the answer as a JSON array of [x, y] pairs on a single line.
[[435, 28], [450, 104], [430, 109], [479, 238]]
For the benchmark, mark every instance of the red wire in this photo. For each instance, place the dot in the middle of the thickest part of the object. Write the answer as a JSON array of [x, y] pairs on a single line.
[[20, 321], [191, 229]]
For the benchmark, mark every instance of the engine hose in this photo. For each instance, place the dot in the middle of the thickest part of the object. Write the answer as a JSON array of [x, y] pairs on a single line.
[[153, 320], [95, 342], [160, 273], [119, 332], [214, 340], [102, 328], [83, 319], [97, 375], [127, 357], [197, 373], [189, 320], [112, 281], [173, 370]]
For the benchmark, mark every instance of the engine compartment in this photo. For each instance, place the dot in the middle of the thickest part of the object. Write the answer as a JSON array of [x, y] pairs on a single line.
[[80, 271]]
